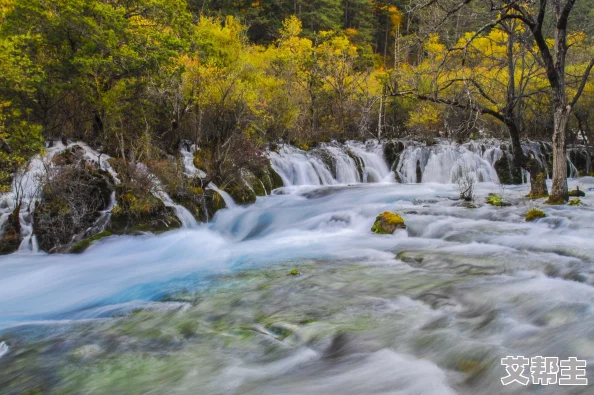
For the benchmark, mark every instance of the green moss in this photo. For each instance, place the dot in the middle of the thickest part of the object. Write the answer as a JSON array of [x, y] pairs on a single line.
[[576, 193], [277, 180], [259, 187], [387, 223], [575, 202], [555, 201], [294, 272], [240, 192], [497, 200], [540, 180], [81, 246], [534, 214]]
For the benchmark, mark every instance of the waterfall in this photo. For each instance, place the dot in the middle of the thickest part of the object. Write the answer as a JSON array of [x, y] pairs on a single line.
[[184, 215], [229, 202], [4, 349], [25, 190], [331, 163], [443, 162], [187, 152], [297, 167], [375, 168]]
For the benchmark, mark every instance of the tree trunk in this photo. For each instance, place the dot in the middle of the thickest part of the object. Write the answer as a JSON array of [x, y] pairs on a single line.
[[538, 178], [559, 188]]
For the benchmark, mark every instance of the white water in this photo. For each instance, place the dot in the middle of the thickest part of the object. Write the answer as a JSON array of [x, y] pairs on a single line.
[[309, 223], [441, 163], [187, 156], [4, 349], [444, 162], [517, 278], [458, 287]]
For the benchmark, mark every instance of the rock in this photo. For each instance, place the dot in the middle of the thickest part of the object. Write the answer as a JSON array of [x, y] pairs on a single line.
[[507, 173], [497, 200], [11, 238], [72, 199], [575, 202], [577, 192], [81, 246], [294, 272], [387, 223], [535, 214], [139, 213], [419, 173], [359, 163]]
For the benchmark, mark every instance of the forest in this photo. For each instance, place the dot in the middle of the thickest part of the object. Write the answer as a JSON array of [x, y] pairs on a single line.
[[138, 79]]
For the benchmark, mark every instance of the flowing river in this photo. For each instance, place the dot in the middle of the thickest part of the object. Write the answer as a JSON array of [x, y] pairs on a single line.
[[295, 295]]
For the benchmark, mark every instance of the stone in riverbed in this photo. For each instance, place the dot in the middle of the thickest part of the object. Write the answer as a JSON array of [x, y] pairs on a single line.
[[576, 193], [497, 200], [535, 214], [387, 223]]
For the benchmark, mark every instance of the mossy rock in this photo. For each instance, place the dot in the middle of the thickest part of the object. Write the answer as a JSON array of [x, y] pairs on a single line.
[[70, 203], [240, 192], [277, 180], [576, 193], [507, 173], [387, 223], [468, 205], [359, 163], [141, 212], [11, 238], [575, 202], [81, 246], [497, 200], [203, 160], [535, 214], [555, 201]]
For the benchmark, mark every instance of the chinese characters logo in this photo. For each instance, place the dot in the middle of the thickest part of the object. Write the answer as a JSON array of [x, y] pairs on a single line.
[[544, 371]]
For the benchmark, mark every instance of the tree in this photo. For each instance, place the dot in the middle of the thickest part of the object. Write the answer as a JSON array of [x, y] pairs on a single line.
[[487, 74], [537, 18]]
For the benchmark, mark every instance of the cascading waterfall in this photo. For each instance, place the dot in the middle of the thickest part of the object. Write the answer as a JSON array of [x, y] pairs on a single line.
[[444, 162], [187, 152], [229, 202]]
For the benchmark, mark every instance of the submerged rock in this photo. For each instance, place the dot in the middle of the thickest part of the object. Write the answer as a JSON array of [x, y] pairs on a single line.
[[535, 214], [387, 223], [81, 246]]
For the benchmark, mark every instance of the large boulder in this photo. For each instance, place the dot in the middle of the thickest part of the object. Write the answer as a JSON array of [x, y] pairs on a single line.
[[73, 195], [387, 223]]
